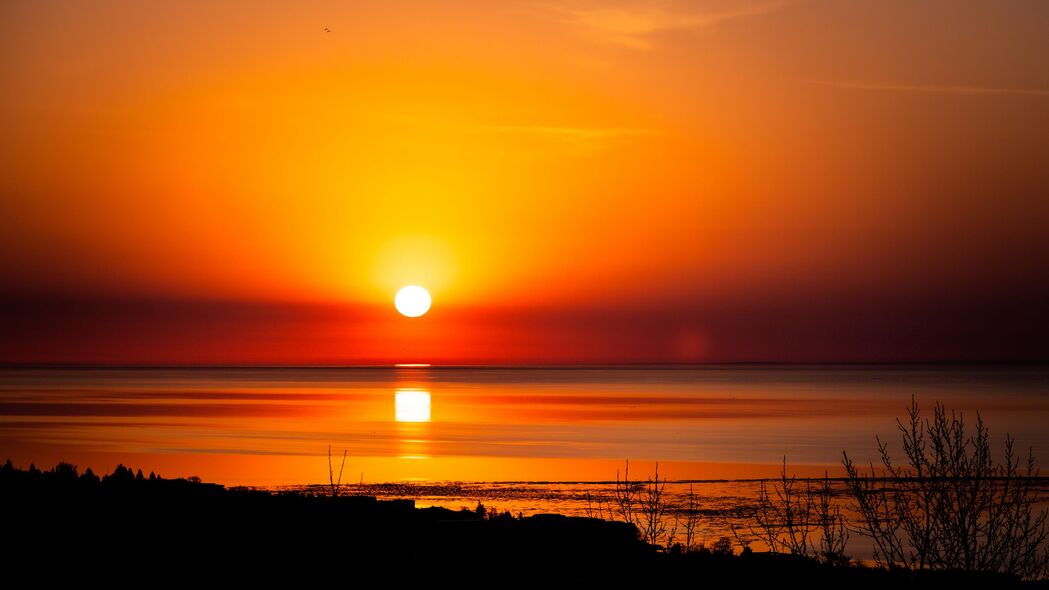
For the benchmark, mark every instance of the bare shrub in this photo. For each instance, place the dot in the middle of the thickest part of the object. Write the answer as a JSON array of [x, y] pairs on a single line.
[[688, 522], [336, 484], [800, 520], [627, 497], [950, 505], [653, 504], [723, 546], [784, 515], [640, 503], [831, 525], [593, 507]]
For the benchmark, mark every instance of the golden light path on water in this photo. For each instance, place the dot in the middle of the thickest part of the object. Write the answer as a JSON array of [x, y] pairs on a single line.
[[412, 414]]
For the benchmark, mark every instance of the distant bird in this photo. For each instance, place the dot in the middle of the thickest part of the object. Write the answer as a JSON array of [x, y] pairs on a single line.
[[327, 30]]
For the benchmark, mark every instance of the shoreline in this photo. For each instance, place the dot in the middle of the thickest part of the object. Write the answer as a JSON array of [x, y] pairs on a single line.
[[152, 523]]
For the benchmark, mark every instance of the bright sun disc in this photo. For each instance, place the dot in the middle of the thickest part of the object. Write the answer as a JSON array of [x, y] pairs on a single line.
[[412, 301]]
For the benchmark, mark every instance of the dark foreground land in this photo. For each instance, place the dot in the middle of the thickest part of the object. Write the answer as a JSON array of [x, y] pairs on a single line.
[[60, 523]]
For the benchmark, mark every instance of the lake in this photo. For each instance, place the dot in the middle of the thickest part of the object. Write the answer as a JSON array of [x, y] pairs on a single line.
[[526, 440], [273, 426]]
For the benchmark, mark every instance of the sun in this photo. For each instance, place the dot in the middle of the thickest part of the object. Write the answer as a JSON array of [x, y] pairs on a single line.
[[412, 301]]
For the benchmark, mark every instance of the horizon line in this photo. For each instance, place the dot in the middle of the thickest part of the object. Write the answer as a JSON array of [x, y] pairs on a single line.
[[553, 365]]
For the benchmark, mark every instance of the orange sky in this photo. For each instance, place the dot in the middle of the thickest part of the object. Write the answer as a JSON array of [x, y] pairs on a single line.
[[573, 181]]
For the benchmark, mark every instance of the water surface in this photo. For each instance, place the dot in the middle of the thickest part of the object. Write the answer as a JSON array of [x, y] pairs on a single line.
[[273, 426]]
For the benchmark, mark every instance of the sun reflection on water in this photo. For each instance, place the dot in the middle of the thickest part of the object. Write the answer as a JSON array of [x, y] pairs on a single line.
[[412, 415], [411, 406]]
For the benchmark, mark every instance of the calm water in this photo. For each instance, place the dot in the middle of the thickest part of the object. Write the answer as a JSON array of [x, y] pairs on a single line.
[[271, 427], [523, 440]]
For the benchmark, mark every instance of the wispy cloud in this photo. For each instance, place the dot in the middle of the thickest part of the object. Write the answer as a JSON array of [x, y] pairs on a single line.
[[570, 133], [634, 25], [931, 88], [575, 139]]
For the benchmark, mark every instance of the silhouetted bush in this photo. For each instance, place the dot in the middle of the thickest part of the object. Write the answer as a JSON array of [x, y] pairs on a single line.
[[800, 520], [723, 546], [642, 504], [335, 483], [950, 505], [688, 520]]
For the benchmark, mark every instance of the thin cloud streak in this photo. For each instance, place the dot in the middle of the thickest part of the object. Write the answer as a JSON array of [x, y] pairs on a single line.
[[632, 26], [571, 140], [569, 132], [585, 136], [932, 89]]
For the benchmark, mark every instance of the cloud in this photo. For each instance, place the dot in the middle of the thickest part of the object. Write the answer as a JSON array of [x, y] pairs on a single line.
[[932, 89], [576, 139], [634, 25], [568, 133]]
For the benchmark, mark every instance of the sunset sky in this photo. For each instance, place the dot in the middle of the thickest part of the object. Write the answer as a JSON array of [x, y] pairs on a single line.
[[189, 182]]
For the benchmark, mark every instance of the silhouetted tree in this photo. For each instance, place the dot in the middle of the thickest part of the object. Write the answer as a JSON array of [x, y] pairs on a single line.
[[120, 475], [89, 476], [65, 472]]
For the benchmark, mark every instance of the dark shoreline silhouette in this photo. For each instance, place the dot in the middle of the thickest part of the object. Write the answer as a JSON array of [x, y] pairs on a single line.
[[71, 523]]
